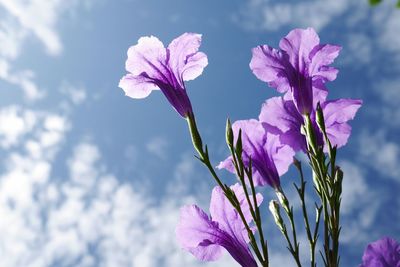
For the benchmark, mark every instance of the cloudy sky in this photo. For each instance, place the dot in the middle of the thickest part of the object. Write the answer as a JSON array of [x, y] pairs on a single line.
[[89, 177]]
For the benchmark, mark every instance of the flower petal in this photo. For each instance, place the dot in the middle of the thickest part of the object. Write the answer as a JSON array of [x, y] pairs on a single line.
[[195, 65], [207, 251], [281, 154], [253, 135], [281, 114], [227, 164], [221, 210], [272, 66], [136, 86], [298, 44], [340, 110], [338, 134], [229, 221], [195, 228], [184, 59], [148, 58], [336, 114], [322, 56], [382, 253]]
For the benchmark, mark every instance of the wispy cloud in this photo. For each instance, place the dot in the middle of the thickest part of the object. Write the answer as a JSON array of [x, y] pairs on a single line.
[[273, 15], [39, 18], [359, 213], [380, 153], [158, 147], [364, 32], [20, 20]]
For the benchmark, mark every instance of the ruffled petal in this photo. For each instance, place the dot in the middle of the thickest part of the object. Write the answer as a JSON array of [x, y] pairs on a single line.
[[340, 110], [253, 136], [136, 86], [184, 58], [281, 114], [382, 253], [207, 251], [229, 221], [298, 44], [227, 164], [336, 114], [221, 210], [148, 57], [194, 66], [241, 196], [196, 228], [338, 134], [322, 56], [272, 66], [282, 155]]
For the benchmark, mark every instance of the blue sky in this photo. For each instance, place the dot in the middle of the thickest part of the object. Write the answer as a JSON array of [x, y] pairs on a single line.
[[90, 177]]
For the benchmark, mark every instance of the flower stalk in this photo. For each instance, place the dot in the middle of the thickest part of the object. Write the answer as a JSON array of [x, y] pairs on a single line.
[[203, 156], [241, 172], [328, 183]]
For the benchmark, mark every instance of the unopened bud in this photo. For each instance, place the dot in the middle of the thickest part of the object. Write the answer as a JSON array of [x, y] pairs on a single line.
[[310, 134], [229, 133], [274, 208], [320, 118], [196, 139], [239, 145], [283, 200], [338, 180]]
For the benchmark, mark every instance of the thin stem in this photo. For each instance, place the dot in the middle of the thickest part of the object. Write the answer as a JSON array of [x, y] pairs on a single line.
[[241, 171], [205, 159], [301, 192], [294, 248]]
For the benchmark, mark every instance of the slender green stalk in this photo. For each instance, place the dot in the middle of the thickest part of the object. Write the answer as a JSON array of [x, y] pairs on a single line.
[[293, 247], [203, 156], [312, 237], [241, 172], [328, 183]]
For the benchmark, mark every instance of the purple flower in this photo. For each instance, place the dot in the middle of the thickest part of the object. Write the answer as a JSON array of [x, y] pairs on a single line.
[[382, 253], [270, 158], [151, 66], [205, 237], [299, 68], [282, 116]]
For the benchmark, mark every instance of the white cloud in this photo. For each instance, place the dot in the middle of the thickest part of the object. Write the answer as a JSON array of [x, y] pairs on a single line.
[[364, 31], [358, 211], [272, 15], [14, 123], [158, 147], [387, 109], [23, 79], [77, 94], [380, 154], [86, 218], [38, 17], [20, 20]]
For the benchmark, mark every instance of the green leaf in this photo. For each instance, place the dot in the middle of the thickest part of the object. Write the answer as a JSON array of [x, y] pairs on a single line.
[[398, 4], [374, 2]]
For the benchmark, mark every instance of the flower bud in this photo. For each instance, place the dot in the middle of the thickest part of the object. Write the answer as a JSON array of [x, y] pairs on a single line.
[[320, 118], [239, 145], [283, 200], [274, 208], [229, 133], [194, 133], [310, 134]]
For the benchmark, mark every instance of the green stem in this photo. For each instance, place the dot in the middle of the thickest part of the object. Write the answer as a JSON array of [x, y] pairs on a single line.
[[241, 171], [294, 248], [312, 239], [203, 156]]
